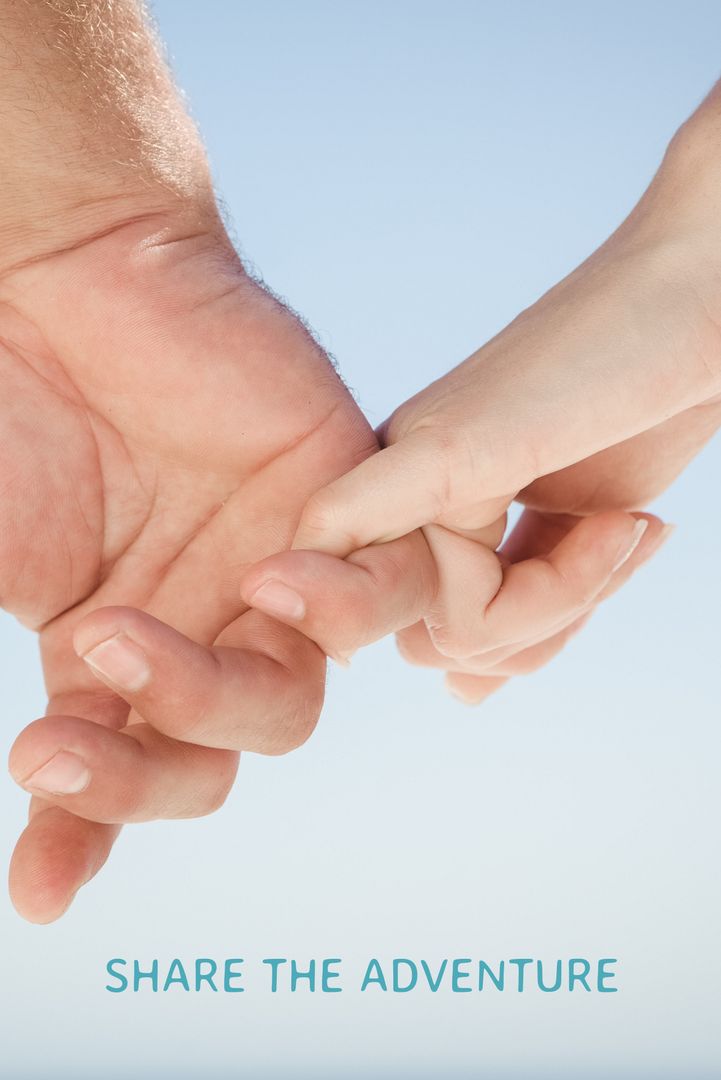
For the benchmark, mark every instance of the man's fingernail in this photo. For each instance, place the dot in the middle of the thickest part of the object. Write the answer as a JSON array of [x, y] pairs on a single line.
[[342, 659], [460, 696], [666, 533], [64, 774], [275, 598], [638, 530], [121, 662], [456, 692]]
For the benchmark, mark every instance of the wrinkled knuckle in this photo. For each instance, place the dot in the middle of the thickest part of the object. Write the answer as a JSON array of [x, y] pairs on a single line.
[[288, 737], [583, 594], [398, 424], [320, 514], [573, 583], [387, 569], [457, 643], [295, 727], [463, 463]]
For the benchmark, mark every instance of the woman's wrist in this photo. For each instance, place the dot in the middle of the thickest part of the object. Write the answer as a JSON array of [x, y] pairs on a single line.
[[679, 216]]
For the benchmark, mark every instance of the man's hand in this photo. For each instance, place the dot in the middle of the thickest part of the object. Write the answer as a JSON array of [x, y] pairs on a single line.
[[162, 421]]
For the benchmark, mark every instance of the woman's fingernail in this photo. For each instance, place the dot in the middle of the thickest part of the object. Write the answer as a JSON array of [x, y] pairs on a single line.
[[638, 530], [275, 598], [121, 662], [64, 774]]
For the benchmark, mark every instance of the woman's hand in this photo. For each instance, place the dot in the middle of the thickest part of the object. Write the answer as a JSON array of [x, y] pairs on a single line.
[[592, 400]]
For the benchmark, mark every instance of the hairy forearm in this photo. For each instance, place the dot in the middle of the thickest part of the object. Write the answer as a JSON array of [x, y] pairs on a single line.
[[92, 130]]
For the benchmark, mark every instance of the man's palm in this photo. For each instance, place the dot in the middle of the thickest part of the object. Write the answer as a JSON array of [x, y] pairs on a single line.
[[163, 422]]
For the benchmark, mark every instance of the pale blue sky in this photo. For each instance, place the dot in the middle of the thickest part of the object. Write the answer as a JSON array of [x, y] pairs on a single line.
[[409, 176]]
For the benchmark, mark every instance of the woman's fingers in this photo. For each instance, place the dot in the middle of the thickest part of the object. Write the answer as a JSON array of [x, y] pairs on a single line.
[[119, 776], [535, 597], [343, 604], [388, 495], [416, 647], [529, 659], [614, 350], [472, 689], [473, 678], [471, 600], [535, 535], [260, 688]]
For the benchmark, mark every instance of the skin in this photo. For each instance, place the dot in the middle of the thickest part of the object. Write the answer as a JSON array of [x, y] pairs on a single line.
[[154, 486], [164, 421], [592, 400], [143, 522]]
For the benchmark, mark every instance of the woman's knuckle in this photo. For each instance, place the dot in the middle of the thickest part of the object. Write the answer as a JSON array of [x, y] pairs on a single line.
[[320, 512]]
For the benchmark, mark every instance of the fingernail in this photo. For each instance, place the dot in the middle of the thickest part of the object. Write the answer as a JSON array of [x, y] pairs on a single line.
[[657, 544], [638, 530], [461, 697], [457, 693], [121, 662], [342, 659], [275, 598], [64, 774]]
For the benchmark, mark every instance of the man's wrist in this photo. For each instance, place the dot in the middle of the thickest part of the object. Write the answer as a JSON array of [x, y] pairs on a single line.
[[92, 132], [44, 230]]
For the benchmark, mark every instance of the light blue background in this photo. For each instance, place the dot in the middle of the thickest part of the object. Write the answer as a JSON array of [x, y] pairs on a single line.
[[409, 176]]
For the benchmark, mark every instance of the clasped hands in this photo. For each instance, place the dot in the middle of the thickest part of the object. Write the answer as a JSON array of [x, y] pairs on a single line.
[[195, 512]]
